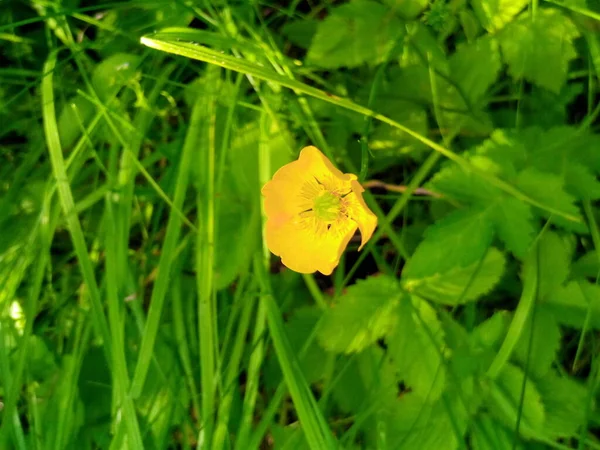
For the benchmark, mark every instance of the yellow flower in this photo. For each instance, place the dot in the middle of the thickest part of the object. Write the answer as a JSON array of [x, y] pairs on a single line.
[[313, 210]]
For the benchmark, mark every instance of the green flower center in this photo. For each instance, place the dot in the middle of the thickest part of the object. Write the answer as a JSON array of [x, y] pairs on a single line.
[[327, 206]]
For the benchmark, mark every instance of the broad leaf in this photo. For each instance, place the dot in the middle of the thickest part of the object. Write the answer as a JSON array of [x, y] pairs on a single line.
[[506, 405], [565, 401], [355, 33], [365, 313], [494, 14], [417, 346], [576, 304], [460, 239], [539, 343], [461, 284], [540, 48]]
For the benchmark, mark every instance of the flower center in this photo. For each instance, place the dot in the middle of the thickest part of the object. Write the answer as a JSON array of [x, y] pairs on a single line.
[[327, 206]]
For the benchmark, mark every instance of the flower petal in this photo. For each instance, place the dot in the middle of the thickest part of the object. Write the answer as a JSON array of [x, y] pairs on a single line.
[[318, 165], [358, 211], [305, 247]]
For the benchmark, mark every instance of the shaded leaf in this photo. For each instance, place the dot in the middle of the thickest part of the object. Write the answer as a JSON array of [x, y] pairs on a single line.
[[572, 303], [505, 401], [461, 284], [565, 401], [475, 67], [539, 350], [459, 240], [355, 33], [365, 313], [494, 14], [416, 348]]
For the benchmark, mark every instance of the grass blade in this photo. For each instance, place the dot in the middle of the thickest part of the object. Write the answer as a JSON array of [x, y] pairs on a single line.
[[228, 62]]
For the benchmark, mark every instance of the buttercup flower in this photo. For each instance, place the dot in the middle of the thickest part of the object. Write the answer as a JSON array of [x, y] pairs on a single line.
[[313, 210]]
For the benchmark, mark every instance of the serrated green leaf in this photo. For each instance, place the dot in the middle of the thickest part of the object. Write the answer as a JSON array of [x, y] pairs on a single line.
[[548, 189], [299, 328], [488, 434], [301, 32], [365, 379], [475, 67], [414, 423], [422, 48], [416, 348], [505, 401], [572, 303], [460, 239], [355, 33], [114, 72], [514, 224], [492, 331], [580, 182], [365, 313], [460, 284], [588, 266], [494, 14], [409, 9], [565, 402], [386, 142], [462, 185], [539, 49], [554, 263], [545, 343]]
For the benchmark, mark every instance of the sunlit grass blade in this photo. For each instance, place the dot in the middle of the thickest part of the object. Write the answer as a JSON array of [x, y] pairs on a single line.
[[315, 427], [239, 65], [115, 311], [205, 262], [68, 204]]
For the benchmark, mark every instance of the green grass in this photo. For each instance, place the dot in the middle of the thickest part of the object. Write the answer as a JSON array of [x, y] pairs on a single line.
[[140, 306]]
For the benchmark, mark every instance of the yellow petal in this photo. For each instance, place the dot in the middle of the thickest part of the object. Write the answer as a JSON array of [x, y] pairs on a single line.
[[358, 211], [305, 246], [319, 166], [303, 227]]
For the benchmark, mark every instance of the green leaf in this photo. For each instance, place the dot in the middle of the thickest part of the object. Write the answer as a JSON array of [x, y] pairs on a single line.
[[540, 48], [554, 263], [300, 32], [545, 342], [355, 33], [237, 237], [414, 423], [514, 224], [463, 185], [505, 401], [461, 284], [548, 189], [386, 142], [409, 9], [113, 73], [422, 48], [492, 331], [460, 239], [565, 401], [494, 14], [416, 348], [488, 434], [588, 266], [475, 67], [572, 303], [299, 328], [365, 313], [366, 378]]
